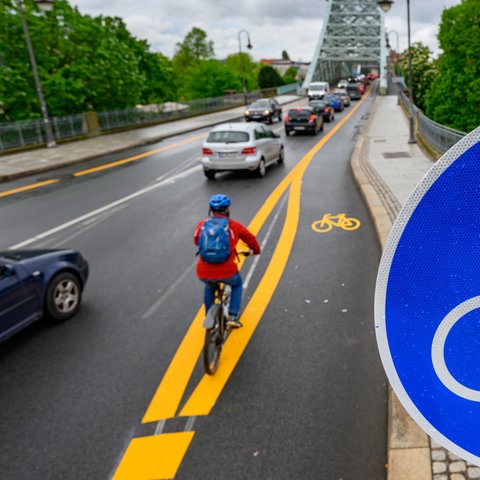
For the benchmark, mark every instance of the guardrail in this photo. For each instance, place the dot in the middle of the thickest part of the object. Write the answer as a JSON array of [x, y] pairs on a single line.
[[434, 135]]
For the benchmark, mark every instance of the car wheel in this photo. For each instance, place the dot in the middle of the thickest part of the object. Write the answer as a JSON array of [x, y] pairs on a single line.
[[314, 130], [261, 169], [287, 132], [321, 127], [210, 174], [270, 119], [281, 156], [63, 297]]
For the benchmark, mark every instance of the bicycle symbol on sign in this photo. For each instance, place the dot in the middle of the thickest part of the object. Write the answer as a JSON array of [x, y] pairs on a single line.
[[340, 220]]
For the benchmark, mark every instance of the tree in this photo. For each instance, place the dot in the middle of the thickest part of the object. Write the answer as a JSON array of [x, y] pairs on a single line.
[[423, 71], [285, 55], [269, 77], [290, 76], [242, 64], [453, 97], [194, 47], [206, 79]]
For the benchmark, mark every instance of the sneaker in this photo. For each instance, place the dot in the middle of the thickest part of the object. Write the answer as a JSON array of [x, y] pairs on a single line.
[[233, 322]]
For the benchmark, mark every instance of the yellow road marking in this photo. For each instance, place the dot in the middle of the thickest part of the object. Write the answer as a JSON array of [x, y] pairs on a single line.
[[157, 457], [135, 157], [28, 187]]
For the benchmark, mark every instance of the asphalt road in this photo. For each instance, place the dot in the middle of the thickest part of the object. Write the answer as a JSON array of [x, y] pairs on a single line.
[[300, 392]]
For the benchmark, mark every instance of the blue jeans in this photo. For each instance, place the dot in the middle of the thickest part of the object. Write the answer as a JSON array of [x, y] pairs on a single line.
[[235, 282]]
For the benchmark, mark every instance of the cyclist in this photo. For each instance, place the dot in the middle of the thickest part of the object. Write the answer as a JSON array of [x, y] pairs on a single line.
[[227, 272]]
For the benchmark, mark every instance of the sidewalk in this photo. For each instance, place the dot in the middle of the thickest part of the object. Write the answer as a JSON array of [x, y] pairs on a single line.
[[386, 168]]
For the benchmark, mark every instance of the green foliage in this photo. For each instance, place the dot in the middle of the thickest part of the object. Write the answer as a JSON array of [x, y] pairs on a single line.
[[290, 75], [269, 77], [84, 63], [195, 47], [206, 79], [285, 55], [241, 65], [423, 71], [453, 98]]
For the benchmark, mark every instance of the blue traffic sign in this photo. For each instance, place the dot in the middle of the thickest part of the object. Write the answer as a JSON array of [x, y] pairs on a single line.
[[427, 301]]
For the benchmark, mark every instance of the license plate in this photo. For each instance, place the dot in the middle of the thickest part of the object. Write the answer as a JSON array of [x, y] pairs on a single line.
[[226, 154], [299, 128]]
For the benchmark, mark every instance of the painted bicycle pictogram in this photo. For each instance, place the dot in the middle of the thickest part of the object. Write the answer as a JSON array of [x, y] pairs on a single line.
[[339, 220]]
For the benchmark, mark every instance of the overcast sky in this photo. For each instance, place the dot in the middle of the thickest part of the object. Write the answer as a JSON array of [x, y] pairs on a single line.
[[273, 25]]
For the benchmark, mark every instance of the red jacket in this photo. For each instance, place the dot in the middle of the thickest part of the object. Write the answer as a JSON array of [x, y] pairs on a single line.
[[217, 271]]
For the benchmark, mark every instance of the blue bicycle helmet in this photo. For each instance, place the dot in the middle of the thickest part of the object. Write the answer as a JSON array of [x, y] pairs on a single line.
[[219, 202]]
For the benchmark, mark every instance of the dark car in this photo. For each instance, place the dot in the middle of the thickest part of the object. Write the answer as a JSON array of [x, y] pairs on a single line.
[[353, 91], [335, 101], [39, 283], [325, 108], [303, 119], [265, 109]]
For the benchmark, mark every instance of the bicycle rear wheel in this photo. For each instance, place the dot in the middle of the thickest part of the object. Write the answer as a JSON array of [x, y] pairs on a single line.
[[213, 345]]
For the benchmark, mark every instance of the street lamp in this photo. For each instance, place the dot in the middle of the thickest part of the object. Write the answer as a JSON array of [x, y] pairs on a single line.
[[396, 34], [249, 46], [45, 5], [385, 6]]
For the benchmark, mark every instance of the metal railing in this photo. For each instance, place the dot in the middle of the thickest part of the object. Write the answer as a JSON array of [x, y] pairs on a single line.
[[17, 135], [438, 136]]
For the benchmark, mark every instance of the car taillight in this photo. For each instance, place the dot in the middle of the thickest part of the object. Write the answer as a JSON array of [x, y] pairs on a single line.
[[286, 118], [206, 151], [312, 118], [249, 150], [327, 109]]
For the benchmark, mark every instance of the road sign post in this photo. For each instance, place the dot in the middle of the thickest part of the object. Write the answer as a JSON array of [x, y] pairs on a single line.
[[427, 301]]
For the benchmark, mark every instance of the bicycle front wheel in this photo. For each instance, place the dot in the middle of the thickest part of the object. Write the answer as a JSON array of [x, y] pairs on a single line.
[[213, 346]]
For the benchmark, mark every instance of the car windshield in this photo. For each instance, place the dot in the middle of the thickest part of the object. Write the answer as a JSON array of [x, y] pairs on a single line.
[[228, 136], [260, 104]]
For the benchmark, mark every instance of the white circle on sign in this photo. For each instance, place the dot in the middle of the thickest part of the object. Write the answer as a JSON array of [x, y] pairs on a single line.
[[438, 350]]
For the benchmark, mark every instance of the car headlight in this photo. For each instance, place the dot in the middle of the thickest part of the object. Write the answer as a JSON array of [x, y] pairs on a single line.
[[247, 112]]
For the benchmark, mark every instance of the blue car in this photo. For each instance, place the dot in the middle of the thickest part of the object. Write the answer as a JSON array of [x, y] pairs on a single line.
[[335, 101], [39, 283]]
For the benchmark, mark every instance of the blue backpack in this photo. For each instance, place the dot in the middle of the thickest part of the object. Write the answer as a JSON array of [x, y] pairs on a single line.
[[214, 240]]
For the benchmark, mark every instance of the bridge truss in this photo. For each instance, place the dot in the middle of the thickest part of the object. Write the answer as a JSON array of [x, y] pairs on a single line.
[[352, 38]]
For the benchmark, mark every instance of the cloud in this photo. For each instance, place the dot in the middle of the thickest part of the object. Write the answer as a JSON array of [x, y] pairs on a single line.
[[273, 25]]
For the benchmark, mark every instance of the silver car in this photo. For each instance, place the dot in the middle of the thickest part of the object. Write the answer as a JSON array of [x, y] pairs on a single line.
[[241, 146]]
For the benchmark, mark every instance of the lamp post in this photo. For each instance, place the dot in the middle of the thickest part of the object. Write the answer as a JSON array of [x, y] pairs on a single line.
[[249, 46], [385, 6], [396, 34], [45, 5]]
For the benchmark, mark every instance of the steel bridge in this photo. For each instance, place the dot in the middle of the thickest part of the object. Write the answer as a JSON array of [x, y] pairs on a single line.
[[352, 41]]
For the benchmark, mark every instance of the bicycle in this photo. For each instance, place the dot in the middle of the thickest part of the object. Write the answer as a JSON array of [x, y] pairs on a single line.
[[215, 323]]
